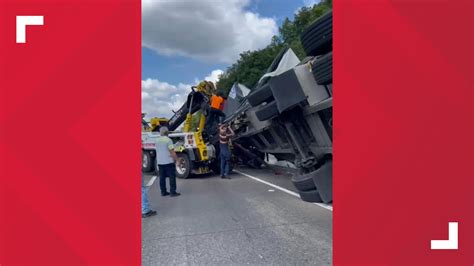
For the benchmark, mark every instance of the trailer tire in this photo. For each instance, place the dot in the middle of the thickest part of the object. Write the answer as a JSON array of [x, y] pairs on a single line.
[[267, 111], [317, 38], [303, 182], [260, 95], [147, 162], [183, 170], [311, 196], [323, 180], [322, 69]]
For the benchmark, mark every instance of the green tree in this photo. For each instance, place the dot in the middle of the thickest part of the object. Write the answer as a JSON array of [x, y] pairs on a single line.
[[249, 68]]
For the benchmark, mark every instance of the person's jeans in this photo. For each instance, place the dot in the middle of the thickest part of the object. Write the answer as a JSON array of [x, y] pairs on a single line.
[[145, 203], [225, 157], [167, 170]]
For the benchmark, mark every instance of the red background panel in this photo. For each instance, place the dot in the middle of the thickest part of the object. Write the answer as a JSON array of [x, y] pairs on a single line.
[[70, 127], [404, 131]]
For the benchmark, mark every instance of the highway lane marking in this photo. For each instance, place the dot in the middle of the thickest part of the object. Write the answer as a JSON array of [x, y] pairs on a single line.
[[325, 206], [152, 180]]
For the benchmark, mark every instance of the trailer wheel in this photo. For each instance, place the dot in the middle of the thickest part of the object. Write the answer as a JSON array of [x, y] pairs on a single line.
[[147, 162], [260, 95], [323, 180], [311, 196], [183, 166], [317, 38], [322, 69], [303, 182], [267, 111]]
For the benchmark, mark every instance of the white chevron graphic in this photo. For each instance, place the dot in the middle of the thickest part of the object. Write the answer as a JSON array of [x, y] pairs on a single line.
[[22, 22], [452, 242]]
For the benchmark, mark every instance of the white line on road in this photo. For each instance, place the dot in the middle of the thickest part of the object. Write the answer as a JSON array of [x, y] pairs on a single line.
[[326, 206], [153, 178]]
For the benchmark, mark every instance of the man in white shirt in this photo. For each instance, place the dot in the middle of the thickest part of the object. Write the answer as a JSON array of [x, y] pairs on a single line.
[[166, 160]]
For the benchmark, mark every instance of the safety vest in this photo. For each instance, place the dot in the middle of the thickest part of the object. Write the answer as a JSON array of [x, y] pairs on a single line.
[[217, 102]]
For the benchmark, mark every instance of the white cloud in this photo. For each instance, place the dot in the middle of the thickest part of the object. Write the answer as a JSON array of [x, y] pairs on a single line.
[[160, 98], [209, 30], [213, 76]]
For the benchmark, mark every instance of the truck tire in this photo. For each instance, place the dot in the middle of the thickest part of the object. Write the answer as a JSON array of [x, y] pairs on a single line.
[[317, 38], [311, 196], [303, 182], [322, 69], [147, 162], [183, 170], [267, 111], [323, 181], [260, 95]]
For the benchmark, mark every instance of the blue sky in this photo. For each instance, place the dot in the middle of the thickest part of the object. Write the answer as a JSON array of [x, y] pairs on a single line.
[[185, 40], [175, 69]]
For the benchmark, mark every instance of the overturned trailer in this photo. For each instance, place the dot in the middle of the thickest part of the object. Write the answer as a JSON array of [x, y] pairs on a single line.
[[289, 113]]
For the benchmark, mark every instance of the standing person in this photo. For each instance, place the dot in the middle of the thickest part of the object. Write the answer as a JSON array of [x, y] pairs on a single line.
[[166, 159], [217, 106], [146, 211], [216, 113], [225, 132]]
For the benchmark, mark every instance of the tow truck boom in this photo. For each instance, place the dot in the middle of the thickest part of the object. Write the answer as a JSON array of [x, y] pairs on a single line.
[[194, 102]]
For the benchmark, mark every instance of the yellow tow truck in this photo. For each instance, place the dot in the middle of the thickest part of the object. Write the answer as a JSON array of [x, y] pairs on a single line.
[[196, 155]]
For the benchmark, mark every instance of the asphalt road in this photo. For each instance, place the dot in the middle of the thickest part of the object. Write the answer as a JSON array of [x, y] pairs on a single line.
[[234, 222]]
